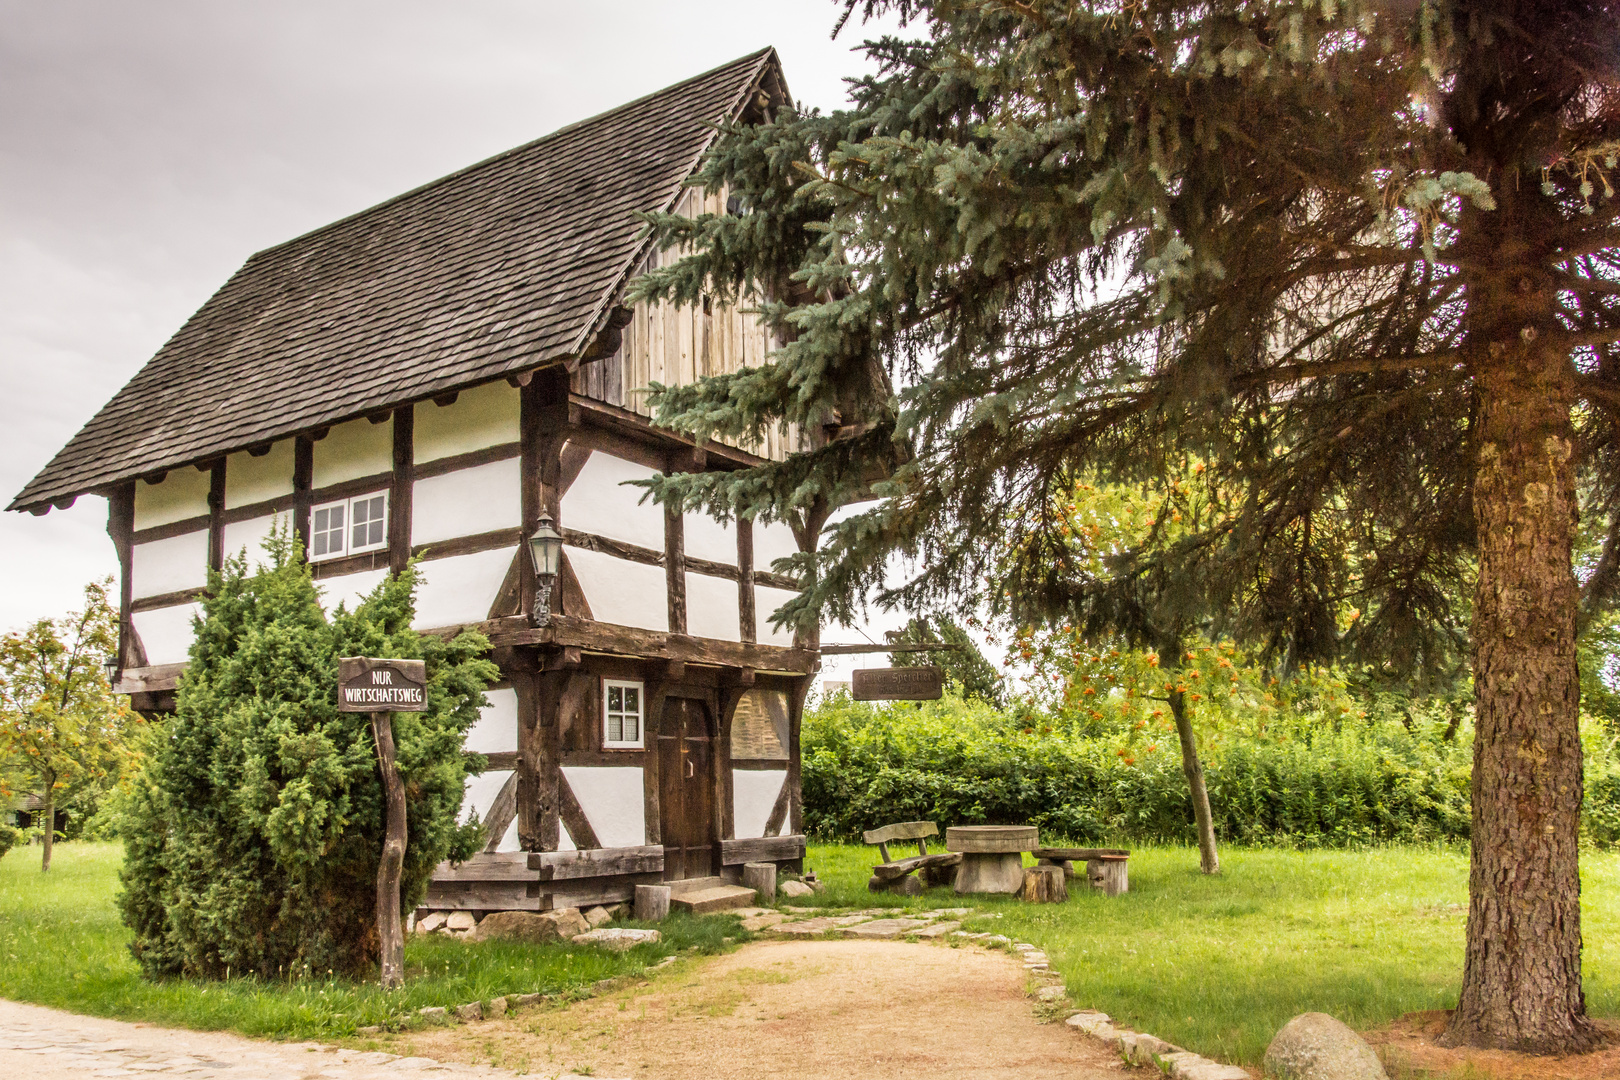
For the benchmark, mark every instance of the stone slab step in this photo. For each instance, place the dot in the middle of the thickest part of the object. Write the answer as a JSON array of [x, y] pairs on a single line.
[[718, 898]]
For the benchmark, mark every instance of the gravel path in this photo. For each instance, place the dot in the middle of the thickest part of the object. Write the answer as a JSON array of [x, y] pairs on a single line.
[[870, 1009]]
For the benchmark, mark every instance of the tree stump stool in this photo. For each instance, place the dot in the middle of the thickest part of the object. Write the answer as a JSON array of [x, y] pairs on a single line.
[[992, 856], [1044, 884]]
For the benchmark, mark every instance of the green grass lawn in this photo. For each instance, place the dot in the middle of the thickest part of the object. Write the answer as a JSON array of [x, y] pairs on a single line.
[[61, 944], [1215, 964], [1219, 964]]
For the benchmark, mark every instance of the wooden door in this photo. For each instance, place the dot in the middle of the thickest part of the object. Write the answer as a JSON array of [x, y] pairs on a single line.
[[686, 789]]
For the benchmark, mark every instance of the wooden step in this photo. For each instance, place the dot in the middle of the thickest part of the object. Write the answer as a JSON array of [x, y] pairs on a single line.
[[719, 898], [696, 884]]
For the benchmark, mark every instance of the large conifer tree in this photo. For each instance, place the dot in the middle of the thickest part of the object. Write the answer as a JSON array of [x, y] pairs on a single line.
[[1359, 258]]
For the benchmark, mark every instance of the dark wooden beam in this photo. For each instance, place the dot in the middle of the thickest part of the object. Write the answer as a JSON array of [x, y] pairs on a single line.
[[573, 816], [761, 849], [747, 618], [597, 862], [163, 600], [121, 528], [303, 484], [634, 641], [675, 567], [216, 514], [169, 529], [470, 460], [400, 490]]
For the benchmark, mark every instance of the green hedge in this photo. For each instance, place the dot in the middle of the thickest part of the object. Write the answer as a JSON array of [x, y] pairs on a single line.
[[958, 762]]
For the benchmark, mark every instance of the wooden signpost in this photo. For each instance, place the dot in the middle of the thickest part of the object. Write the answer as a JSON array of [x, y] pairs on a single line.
[[381, 687], [897, 684]]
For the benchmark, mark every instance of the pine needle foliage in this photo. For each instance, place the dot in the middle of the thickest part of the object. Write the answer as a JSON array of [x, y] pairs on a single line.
[[254, 837], [1359, 258], [1111, 236]]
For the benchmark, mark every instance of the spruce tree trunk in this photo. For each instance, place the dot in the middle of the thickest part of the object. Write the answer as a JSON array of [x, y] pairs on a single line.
[[1209, 860], [50, 826], [1522, 970]]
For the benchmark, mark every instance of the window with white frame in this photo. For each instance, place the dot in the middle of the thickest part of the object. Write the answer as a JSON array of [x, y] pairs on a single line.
[[348, 526], [621, 714]]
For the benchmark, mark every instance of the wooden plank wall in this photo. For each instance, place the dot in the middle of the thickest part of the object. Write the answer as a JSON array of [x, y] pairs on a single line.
[[677, 346]]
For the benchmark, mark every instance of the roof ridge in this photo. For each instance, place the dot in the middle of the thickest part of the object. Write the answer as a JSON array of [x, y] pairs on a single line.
[[756, 55]]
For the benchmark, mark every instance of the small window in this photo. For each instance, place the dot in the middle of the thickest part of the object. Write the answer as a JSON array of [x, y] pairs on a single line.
[[348, 527], [621, 712]]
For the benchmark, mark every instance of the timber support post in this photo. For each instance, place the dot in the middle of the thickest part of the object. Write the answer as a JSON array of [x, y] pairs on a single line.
[[390, 932]]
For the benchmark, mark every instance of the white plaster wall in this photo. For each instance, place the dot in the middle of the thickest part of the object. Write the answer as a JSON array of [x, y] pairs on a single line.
[[772, 542], [182, 494], [166, 632], [766, 601], [613, 803], [509, 839], [350, 451], [706, 538], [622, 592], [483, 416], [166, 566], [754, 792], [496, 730], [481, 792], [460, 589], [349, 589], [597, 503], [467, 502], [565, 839], [251, 535], [711, 608], [250, 479]]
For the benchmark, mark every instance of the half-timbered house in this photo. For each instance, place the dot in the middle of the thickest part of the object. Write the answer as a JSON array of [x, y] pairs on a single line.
[[433, 376]]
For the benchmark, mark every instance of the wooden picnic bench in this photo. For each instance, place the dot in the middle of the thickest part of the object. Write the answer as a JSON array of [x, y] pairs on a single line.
[[1106, 868], [899, 875]]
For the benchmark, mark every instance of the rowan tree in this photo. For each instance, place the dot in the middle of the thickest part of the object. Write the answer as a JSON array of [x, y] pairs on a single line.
[[63, 732], [1359, 258]]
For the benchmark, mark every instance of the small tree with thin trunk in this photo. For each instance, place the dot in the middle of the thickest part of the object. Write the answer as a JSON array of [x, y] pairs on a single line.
[[62, 730]]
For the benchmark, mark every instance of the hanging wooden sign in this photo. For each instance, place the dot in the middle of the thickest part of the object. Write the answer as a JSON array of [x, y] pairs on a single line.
[[368, 685], [897, 684]]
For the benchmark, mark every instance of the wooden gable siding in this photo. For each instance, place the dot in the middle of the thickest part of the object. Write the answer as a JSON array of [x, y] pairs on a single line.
[[677, 346]]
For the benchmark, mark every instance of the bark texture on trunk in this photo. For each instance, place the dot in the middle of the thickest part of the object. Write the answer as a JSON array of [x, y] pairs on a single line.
[[1209, 860], [390, 932], [50, 826], [1522, 972]]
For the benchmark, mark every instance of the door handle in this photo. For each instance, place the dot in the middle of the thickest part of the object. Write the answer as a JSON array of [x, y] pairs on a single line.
[[689, 770]]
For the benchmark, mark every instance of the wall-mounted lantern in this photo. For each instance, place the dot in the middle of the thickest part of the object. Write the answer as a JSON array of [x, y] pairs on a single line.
[[545, 549]]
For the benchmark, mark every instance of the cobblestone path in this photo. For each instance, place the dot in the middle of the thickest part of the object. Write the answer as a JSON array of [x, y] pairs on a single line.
[[44, 1044]]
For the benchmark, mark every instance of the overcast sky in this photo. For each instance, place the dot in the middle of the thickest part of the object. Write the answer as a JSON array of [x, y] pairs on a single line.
[[147, 149]]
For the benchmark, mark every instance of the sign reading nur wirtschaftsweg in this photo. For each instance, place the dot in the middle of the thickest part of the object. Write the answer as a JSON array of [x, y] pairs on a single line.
[[369, 685]]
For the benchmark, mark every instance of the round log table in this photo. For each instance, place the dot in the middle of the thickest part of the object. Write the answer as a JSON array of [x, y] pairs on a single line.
[[992, 856]]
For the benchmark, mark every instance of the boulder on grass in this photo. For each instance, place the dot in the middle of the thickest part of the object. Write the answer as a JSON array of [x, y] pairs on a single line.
[[1315, 1046], [794, 889], [431, 922], [461, 921], [598, 915], [532, 926], [619, 938]]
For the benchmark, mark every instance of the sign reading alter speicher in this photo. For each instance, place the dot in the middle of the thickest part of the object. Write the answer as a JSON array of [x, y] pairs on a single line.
[[369, 685], [897, 684]]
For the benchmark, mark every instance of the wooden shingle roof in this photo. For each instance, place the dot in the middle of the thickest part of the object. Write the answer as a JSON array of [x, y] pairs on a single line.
[[510, 264]]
